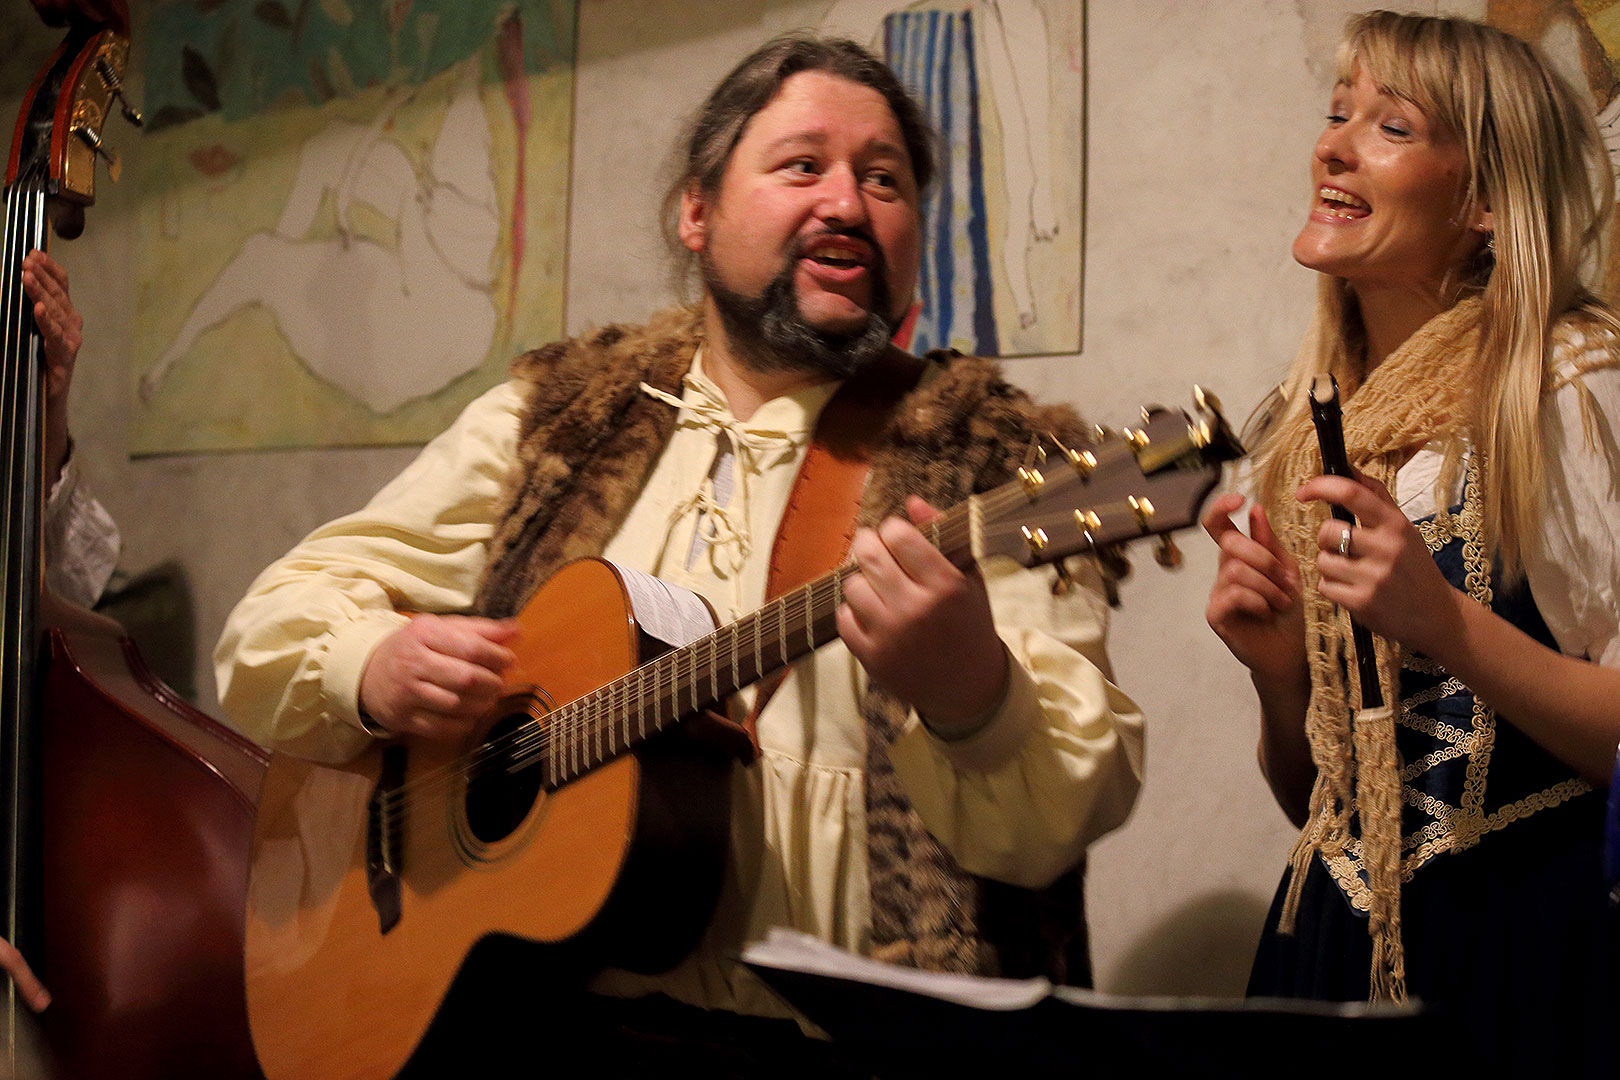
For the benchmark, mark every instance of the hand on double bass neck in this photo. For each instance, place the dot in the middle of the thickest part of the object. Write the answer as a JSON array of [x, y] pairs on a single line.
[[920, 626], [436, 675], [61, 328], [28, 984]]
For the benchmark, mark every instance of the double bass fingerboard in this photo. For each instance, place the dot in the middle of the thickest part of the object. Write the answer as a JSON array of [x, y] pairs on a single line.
[[22, 426]]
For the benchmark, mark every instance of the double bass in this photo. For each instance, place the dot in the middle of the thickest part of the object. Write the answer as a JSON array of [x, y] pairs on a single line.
[[127, 814]]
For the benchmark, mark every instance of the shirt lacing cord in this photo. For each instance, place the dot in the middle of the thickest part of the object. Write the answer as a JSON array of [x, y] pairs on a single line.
[[728, 532]]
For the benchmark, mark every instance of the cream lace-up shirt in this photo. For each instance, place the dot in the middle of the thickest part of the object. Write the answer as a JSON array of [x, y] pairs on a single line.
[[1058, 766]]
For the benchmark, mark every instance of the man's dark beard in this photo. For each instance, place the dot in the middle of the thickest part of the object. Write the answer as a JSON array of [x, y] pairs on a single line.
[[769, 333]]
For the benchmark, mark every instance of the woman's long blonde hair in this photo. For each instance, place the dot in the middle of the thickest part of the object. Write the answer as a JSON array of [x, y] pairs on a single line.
[[1535, 157]]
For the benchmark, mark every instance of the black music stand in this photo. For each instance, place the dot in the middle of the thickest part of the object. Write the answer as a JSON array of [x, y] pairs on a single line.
[[906, 1023]]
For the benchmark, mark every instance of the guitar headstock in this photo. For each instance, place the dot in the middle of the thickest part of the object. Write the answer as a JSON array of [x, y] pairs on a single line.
[[58, 134], [1143, 481]]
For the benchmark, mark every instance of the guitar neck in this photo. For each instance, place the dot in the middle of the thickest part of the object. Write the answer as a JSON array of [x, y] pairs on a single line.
[[1129, 485], [601, 725]]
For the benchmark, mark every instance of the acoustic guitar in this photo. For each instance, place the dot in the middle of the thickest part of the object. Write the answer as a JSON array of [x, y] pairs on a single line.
[[578, 816]]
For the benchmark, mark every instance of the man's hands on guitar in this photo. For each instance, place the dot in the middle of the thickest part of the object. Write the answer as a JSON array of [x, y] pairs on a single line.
[[921, 627], [436, 675]]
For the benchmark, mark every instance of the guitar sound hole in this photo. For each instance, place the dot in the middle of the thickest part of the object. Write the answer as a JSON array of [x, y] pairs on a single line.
[[500, 794]]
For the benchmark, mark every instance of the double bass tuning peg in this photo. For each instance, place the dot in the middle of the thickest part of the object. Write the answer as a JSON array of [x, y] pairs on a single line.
[[115, 86], [115, 167]]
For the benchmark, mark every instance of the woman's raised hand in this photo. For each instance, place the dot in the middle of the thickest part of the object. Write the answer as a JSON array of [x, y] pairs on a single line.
[[1255, 604]]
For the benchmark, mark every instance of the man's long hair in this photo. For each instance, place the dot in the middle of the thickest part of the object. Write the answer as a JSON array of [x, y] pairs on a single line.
[[712, 135]]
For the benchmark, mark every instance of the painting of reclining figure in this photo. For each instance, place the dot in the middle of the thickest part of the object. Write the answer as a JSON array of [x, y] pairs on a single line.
[[352, 216]]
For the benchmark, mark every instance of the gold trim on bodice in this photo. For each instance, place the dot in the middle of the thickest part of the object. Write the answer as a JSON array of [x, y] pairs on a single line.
[[1450, 827]]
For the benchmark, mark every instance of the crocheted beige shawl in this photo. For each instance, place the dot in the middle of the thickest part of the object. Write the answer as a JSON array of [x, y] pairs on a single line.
[[1419, 395]]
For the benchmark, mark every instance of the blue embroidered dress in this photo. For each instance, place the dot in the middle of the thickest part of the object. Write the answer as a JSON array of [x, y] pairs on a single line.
[[1503, 906]]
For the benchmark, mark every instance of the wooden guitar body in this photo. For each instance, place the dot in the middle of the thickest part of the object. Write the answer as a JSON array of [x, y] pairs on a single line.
[[357, 927]]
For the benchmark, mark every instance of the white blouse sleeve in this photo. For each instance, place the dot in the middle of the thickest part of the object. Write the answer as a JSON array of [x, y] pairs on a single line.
[[1575, 574], [81, 540]]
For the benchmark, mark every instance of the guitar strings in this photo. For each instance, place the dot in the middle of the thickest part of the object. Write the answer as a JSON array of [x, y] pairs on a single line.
[[20, 383], [574, 723], [15, 327], [578, 722], [655, 687], [25, 229], [581, 721], [585, 737]]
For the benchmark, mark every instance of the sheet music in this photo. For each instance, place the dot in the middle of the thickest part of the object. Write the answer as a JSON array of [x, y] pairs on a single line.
[[790, 950], [795, 951], [668, 612]]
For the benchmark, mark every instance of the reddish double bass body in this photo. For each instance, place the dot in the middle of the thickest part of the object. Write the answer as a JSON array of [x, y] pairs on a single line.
[[147, 811], [128, 815]]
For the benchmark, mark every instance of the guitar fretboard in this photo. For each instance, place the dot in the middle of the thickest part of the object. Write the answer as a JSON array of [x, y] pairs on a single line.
[[597, 727]]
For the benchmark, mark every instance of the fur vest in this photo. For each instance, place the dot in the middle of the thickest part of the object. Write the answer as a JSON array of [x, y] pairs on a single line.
[[588, 439]]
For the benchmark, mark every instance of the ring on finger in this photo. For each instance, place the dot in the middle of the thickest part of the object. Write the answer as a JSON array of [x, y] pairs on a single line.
[[1344, 542]]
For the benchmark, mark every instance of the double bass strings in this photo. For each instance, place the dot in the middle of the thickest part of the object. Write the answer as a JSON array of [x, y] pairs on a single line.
[[21, 420]]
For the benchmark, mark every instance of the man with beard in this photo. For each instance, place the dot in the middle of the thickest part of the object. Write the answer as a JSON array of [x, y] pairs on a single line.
[[924, 789]]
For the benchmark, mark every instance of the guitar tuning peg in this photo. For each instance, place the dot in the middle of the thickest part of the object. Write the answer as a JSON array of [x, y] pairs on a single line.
[[1211, 431], [1063, 583], [1084, 461], [1167, 554], [1113, 563], [1111, 591]]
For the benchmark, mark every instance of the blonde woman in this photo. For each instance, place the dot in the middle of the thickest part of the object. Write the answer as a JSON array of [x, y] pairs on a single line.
[[1450, 853]]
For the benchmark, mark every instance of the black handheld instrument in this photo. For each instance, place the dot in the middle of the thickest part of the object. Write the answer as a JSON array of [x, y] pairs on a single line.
[[1329, 421]]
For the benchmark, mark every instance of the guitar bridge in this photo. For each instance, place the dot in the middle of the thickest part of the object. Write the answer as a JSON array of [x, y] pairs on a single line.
[[385, 838]]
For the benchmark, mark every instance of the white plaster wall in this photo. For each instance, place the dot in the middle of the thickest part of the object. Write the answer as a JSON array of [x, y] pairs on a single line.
[[1200, 119]]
